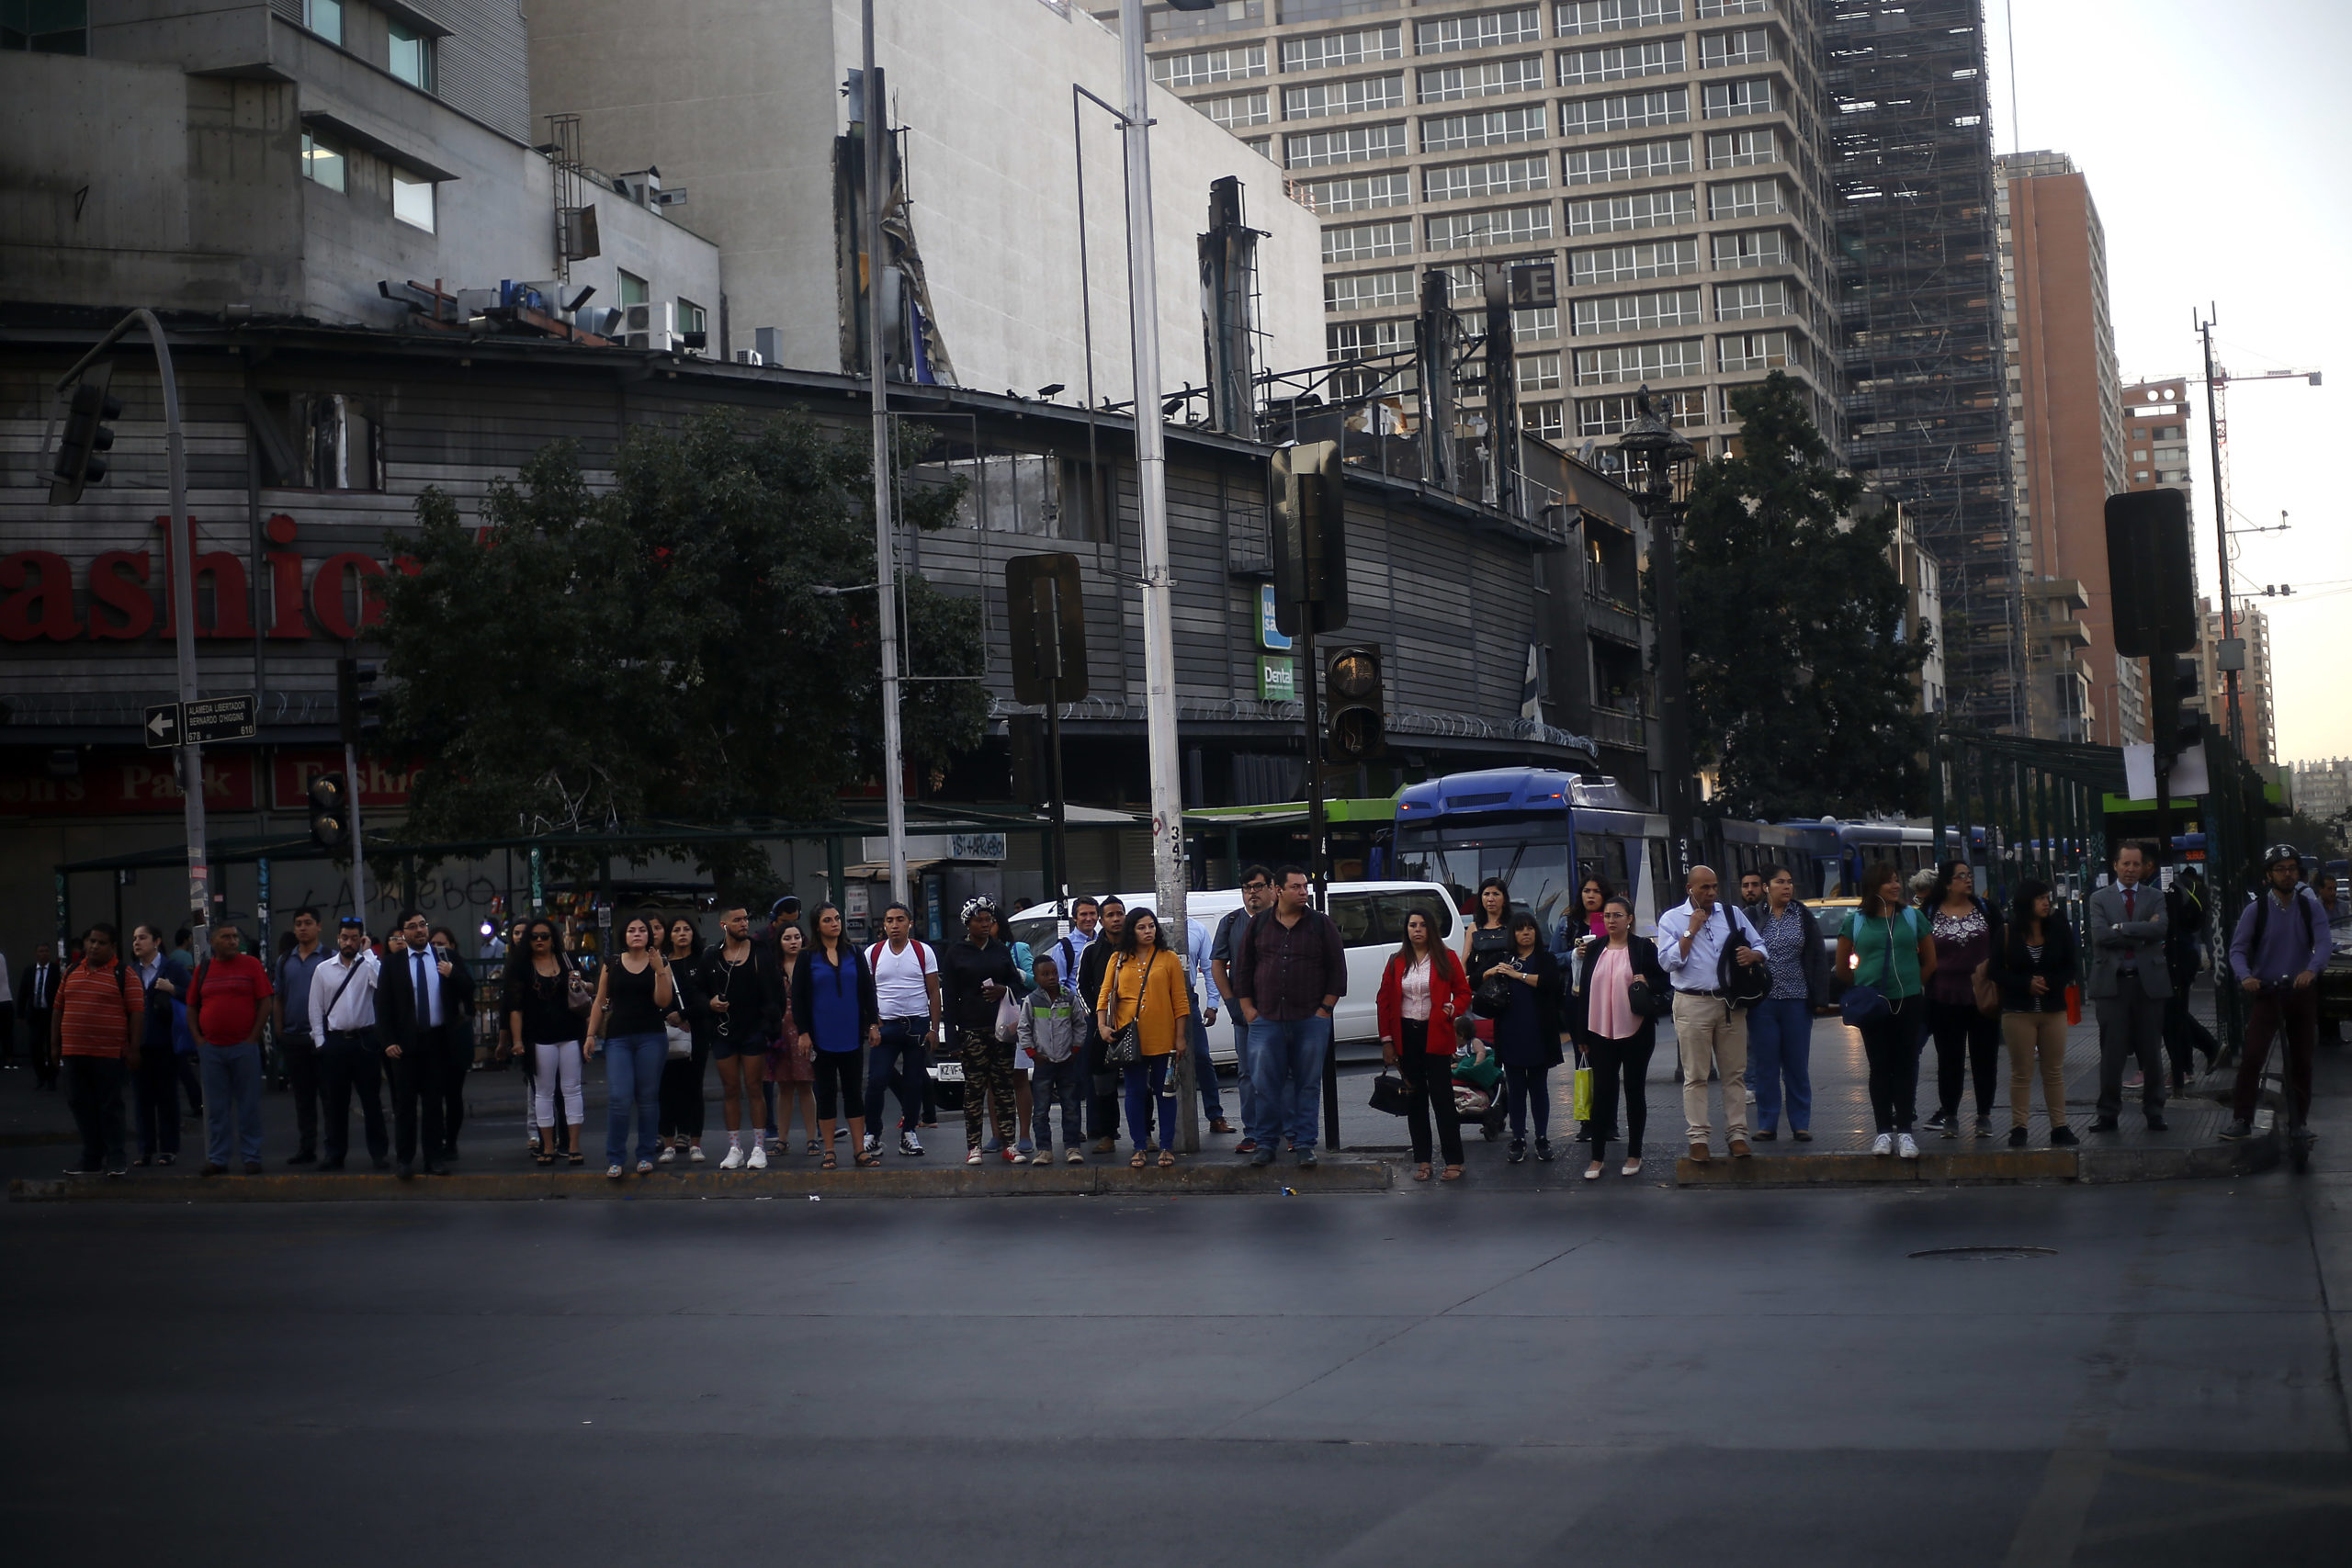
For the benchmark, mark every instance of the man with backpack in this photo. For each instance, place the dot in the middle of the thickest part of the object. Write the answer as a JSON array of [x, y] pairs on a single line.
[[94, 1027], [2276, 956], [906, 985]]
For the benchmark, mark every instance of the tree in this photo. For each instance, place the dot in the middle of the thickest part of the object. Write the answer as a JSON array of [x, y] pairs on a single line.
[[1800, 668], [665, 652]]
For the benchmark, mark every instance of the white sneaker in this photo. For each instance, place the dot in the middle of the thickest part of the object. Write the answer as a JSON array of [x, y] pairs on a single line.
[[1043, 1156], [973, 1157], [668, 1155], [1883, 1144], [695, 1154], [873, 1145], [759, 1160], [734, 1160], [1907, 1146]]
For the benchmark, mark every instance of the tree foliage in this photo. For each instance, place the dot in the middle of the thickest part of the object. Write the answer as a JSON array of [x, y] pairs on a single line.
[[661, 651], [1800, 668]]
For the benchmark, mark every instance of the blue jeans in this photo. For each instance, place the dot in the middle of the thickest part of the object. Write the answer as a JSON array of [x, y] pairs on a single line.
[[1065, 1084], [1287, 1063], [1205, 1072], [1248, 1085], [1146, 1081], [1780, 1050], [897, 1064], [633, 1080], [231, 1089]]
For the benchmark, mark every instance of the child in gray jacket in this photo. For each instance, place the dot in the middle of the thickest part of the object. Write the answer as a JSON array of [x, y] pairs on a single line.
[[1054, 1025]]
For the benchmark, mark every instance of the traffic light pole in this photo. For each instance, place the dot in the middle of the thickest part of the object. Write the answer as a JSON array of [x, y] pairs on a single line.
[[886, 555], [191, 755], [359, 844]]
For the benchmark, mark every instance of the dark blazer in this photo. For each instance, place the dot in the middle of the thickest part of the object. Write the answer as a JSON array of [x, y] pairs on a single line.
[[2061, 965], [57, 973], [397, 1019], [1544, 999], [1643, 952]]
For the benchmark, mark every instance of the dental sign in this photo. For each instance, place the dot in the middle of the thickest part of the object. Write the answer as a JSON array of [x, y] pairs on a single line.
[[125, 595]]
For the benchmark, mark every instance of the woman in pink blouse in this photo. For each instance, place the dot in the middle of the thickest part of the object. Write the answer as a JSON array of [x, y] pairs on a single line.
[[1616, 1038]]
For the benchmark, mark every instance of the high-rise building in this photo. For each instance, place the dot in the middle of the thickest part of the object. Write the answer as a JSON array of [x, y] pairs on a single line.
[[2155, 435], [2066, 411], [1919, 311], [1663, 155], [2324, 789]]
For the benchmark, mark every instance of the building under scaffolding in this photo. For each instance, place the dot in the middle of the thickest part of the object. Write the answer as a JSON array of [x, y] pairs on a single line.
[[1919, 306]]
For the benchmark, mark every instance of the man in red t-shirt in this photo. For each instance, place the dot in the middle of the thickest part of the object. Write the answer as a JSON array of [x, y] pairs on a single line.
[[226, 1004], [94, 1031]]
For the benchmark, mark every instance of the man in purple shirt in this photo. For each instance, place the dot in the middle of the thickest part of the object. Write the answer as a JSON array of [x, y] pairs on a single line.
[[1289, 970], [2276, 956]]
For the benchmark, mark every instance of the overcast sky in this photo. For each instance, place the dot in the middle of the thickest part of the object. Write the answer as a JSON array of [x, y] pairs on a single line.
[[2216, 147]]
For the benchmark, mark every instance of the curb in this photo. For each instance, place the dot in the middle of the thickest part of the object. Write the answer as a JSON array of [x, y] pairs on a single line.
[[1338, 1174], [2087, 1164]]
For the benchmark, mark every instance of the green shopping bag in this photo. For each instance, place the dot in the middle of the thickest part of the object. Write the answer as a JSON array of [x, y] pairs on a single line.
[[1580, 1092]]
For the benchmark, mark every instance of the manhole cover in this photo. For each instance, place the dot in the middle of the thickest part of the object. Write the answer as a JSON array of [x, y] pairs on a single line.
[[1988, 1254]]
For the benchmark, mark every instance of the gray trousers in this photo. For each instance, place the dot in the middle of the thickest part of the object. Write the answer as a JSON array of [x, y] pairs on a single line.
[[2131, 1023]]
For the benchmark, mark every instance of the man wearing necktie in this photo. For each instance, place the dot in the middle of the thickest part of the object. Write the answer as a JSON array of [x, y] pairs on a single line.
[[37, 996], [2130, 983], [413, 1013]]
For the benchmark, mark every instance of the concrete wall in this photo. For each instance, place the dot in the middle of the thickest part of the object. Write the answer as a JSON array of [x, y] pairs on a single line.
[[739, 101]]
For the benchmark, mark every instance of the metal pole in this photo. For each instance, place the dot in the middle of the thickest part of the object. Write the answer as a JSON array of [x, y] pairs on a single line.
[[885, 561], [2214, 382], [1152, 491], [1658, 510], [200, 873], [1061, 835], [360, 844]]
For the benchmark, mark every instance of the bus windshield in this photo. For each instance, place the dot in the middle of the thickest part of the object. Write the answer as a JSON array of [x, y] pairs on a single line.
[[1530, 857]]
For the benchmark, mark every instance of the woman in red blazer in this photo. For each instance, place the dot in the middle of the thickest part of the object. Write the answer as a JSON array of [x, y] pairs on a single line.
[[1422, 991]]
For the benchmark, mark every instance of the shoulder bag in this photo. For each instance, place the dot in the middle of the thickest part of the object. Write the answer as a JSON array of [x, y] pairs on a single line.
[[1389, 1094], [1126, 1046], [578, 995]]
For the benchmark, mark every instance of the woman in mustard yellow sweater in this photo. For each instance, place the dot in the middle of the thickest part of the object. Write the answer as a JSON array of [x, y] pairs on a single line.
[[1144, 987]]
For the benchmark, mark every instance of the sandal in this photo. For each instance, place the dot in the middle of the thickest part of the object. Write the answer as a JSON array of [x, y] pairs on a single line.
[[828, 1162], [577, 1157], [865, 1160], [1137, 1163], [538, 1158], [1167, 1160], [1421, 1171], [1451, 1173]]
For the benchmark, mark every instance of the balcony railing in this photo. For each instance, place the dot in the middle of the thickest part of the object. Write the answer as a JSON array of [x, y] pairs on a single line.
[[1617, 727]]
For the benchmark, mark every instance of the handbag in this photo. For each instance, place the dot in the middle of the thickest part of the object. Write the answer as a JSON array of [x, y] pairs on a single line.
[[1492, 998], [1124, 1049], [1988, 990], [1389, 1094], [1644, 1000], [682, 1041], [1580, 1091], [578, 995], [1861, 1005], [1007, 1018]]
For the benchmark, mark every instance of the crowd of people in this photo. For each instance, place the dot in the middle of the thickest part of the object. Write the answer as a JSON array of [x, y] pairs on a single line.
[[1109, 1020]]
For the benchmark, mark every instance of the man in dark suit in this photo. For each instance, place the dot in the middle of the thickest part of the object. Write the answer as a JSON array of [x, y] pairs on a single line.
[[36, 999], [457, 1038], [415, 1009], [2130, 984]]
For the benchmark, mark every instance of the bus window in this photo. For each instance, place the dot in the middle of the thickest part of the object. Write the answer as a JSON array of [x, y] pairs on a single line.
[[1663, 893]]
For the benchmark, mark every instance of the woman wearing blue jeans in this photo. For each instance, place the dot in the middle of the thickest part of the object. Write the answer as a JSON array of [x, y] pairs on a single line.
[[633, 991], [1780, 1028]]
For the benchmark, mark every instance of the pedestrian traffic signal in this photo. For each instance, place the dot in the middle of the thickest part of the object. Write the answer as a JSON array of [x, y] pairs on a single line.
[[2178, 726], [1310, 539], [79, 455], [359, 709], [2150, 574], [331, 811], [1351, 690], [1045, 624]]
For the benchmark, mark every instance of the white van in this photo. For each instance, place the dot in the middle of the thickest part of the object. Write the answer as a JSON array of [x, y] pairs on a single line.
[[1371, 918]]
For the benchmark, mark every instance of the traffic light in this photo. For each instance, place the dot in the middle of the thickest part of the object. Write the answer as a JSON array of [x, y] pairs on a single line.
[[79, 459], [2148, 573], [1310, 539], [358, 710], [1351, 690], [331, 811], [1045, 624], [2178, 726]]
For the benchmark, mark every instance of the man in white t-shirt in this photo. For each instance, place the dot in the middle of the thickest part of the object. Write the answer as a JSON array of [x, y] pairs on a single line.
[[906, 985]]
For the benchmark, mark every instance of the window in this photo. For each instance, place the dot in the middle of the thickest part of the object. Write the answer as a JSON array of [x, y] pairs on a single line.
[[1752, 351], [1757, 247], [1641, 160], [1357, 96], [1637, 313], [1236, 108], [1366, 242], [1444, 131], [45, 27], [1480, 32], [1202, 67], [325, 17], [1647, 209], [1615, 15], [412, 56], [1639, 362], [413, 198], [1731, 8], [1466, 282], [1331, 50], [1315, 149], [1482, 81], [1735, 301], [1617, 62], [1610, 415], [1366, 339], [1357, 195], [1262, 145], [633, 289], [1453, 182], [1624, 111], [335, 441], [1537, 372], [1728, 100], [693, 317], [323, 161], [1542, 420], [1369, 290], [1746, 199], [1749, 46], [1541, 324], [1505, 226], [1732, 149], [1618, 263]]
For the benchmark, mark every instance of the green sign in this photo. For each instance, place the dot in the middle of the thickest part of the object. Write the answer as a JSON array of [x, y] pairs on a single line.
[[1277, 679]]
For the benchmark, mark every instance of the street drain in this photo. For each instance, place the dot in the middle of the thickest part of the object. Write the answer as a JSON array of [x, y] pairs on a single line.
[[1988, 1254]]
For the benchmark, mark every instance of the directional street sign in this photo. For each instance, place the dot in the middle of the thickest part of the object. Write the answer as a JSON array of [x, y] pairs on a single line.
[[220, 719], [202, 722], [163, 726]]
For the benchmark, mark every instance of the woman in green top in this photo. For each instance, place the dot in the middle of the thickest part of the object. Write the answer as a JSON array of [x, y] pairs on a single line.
[[1888, 946]]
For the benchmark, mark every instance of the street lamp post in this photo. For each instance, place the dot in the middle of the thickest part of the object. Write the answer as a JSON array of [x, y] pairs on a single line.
[[1657, 464]]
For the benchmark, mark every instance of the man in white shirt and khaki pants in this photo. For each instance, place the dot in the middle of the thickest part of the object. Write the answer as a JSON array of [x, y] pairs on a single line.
[[1709, 1033]]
